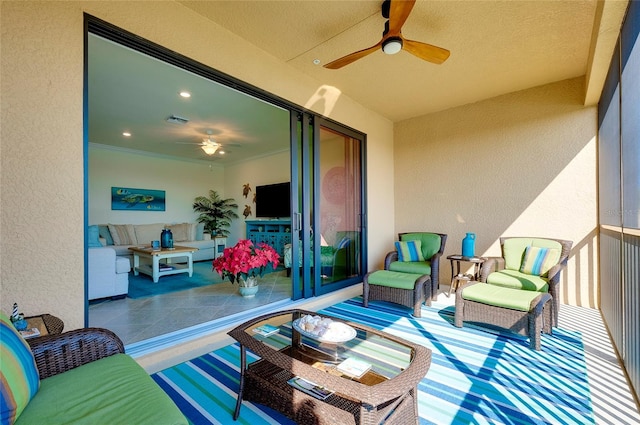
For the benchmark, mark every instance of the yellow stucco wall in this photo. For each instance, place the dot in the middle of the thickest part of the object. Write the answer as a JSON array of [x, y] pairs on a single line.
[[523, 164], [41, 135]]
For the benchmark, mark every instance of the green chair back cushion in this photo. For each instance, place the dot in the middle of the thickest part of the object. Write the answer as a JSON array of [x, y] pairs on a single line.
[[430, 242], [112, 390], [513, 250], [19, 377]]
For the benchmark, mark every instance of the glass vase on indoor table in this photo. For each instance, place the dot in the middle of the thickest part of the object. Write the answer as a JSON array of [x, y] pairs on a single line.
[[386, 388]]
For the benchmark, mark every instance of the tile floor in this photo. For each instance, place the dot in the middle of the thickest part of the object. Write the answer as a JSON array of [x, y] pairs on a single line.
[[135, 320]]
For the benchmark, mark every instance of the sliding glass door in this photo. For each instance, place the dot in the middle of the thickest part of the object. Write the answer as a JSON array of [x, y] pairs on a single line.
[[329, 220]]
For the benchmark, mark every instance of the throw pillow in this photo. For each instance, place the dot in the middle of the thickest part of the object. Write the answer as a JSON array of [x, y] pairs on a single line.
[[106, 234], [180, 232], [538, 261], [344, 242], [200, 232], [123, 234], [93, 237], [409, 251], [18, 372]]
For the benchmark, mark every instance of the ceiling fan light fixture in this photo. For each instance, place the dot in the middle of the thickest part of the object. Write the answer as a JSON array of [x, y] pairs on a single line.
[[392, 45], [209, 146]]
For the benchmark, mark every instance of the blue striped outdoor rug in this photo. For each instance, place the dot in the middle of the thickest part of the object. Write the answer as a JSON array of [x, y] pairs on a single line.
[[477, 375]]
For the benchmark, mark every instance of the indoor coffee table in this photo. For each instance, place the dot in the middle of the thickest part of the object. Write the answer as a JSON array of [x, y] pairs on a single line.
[[154, 269], [386, 392]]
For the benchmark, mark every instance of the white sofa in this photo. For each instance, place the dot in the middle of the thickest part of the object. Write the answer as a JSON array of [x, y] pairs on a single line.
[[121, 236], [108, 274]]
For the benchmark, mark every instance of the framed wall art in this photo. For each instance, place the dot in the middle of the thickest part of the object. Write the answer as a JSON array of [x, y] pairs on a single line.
[[126, 198]]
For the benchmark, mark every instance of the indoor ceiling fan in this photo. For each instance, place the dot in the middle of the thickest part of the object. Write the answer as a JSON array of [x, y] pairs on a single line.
[[208, 144], [396, 11]]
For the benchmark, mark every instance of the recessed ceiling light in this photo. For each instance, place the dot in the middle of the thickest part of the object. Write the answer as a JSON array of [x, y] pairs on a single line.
[[221, 152], [316, 61], [126, 134], [185, 94]]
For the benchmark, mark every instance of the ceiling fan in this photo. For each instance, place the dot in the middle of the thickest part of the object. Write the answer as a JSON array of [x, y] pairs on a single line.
[[397, 12], [208, 144]]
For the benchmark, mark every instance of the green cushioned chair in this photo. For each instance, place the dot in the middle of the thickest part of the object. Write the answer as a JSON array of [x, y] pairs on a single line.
[[528, 263], [432, 248]]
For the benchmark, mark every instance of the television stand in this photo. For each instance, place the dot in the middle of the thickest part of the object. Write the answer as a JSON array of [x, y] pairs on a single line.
[[275, 233]]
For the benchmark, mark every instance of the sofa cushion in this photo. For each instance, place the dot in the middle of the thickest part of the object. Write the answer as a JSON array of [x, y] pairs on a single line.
[[93, 237], [112, 390], [199, 232], [18, 372], [538, 261], [181, 232], [145, 233], [123, 234], [104, 232]]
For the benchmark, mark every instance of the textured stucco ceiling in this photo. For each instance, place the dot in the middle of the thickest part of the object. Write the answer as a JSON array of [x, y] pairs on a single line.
[[496, 47]]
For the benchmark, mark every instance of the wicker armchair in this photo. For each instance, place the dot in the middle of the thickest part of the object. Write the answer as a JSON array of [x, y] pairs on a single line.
[[431, 253], [505, 270], [55, 354]]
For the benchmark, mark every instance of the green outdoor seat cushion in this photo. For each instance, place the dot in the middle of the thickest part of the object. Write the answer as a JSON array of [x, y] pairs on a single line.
[[417, 267], [393, 279], [513, 249], [498, 296], [112, 390], [518, 280], [430, 242]]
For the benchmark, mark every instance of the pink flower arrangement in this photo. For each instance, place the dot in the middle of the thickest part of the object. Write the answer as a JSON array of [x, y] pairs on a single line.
[[244, 259]]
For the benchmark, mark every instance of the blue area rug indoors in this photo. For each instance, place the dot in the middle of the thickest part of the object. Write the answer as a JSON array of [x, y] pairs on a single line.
[[477, 375]]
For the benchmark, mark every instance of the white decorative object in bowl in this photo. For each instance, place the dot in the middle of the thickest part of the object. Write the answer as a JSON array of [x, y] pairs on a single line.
[[324, 329]]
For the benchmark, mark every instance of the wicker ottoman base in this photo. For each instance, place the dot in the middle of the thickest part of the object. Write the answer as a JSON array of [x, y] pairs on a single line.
[[412, 298], [528, 323]]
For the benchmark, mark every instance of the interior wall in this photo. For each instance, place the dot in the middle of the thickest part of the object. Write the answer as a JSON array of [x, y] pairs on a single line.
[[182, 182], [522, 164], [41, 135], [260, 171]]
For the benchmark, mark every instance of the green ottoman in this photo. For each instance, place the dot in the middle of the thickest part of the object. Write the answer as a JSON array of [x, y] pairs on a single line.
[[525, 312], [407, 289]]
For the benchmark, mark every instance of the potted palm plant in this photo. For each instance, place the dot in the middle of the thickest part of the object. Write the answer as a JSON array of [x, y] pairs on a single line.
[[216, 213]]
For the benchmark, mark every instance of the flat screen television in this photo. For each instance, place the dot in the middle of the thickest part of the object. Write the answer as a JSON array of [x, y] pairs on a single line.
[[273, 200]]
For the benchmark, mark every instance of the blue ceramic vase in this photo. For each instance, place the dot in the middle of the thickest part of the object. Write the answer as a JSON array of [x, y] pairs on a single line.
[[469, 245]]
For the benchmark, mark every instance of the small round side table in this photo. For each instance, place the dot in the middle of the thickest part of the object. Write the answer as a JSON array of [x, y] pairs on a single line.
[[458, 278]]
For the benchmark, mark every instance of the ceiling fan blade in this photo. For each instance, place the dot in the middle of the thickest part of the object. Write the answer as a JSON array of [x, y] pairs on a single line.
[[426, 51], [398, 13], [346, 60]]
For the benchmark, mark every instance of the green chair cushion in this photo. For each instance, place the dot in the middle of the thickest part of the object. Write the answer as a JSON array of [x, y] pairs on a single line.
[[430, 242], [417, 267], [518, 280], [513, 249], [500, 297], [393, 279], [112, 390]]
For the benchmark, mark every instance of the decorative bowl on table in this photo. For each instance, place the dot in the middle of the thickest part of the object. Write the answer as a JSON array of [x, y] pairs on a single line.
[[324, 329]]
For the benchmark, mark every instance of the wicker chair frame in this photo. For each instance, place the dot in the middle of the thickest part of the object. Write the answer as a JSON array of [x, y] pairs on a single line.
[[435, 262], [494, 264], [56, 354]]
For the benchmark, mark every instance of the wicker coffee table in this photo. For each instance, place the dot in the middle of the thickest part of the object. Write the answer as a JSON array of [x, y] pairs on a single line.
[[386, 392]]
